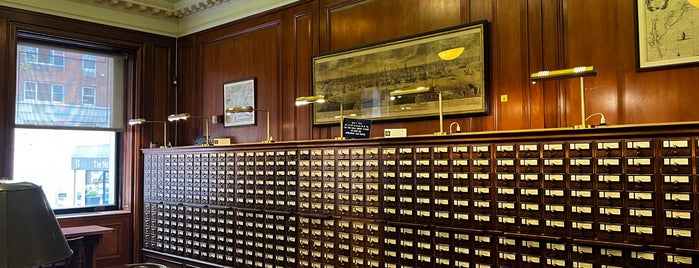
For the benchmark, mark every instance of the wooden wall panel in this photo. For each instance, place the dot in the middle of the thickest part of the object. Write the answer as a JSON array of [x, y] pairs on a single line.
[[509, 71], [525, 37], [115, 248], [301, 45], [247, 53]]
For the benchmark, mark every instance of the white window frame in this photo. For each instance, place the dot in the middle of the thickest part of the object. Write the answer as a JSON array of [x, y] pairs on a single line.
[[89, 71], [93, 96]]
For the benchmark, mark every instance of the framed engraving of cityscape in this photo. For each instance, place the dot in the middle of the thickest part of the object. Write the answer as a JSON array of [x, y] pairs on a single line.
[[667, 33], [453, 61], [239, 94]]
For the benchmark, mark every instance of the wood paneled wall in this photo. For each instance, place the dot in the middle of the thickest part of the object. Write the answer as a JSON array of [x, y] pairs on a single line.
[[525, 37]]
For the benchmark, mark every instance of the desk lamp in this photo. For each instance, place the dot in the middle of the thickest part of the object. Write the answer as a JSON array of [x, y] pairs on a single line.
[[249, 109], [140, 121], [581, 72], [185, 116], [29, 232], [321, 99], [401, 92]]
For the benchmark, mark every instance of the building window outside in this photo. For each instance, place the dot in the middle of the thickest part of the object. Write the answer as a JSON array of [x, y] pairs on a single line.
[[31, 54], [29, 93], [67, 134], [57, 93], [89, 65], [88, 96], [57, 58]]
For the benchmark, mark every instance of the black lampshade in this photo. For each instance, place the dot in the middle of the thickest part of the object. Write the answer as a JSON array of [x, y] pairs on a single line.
[[29, 232]]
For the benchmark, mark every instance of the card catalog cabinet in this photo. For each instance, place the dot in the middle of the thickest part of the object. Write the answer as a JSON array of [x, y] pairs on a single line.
[[568, 198]]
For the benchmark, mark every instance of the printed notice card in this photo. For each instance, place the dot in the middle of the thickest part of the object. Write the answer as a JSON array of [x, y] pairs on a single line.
[[356, 128]]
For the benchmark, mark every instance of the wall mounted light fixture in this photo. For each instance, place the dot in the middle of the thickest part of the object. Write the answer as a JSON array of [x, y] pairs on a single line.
[[185, 116], [401, 92], [576, 72], [140, 121], [250, 109], [322, 99]]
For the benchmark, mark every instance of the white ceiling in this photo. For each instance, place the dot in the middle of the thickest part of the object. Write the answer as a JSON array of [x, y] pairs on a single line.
[[166, 17]]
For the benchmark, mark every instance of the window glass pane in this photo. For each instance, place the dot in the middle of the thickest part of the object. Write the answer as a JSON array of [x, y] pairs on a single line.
[[68, 124], [74, 167], [100, 106], [57, 58]]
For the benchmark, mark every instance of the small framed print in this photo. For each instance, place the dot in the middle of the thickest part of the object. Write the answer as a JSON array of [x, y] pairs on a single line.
[[239, 93], [666, 34]]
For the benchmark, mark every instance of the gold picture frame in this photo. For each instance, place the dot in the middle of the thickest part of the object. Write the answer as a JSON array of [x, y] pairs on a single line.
[[360, 79], [667, 34]]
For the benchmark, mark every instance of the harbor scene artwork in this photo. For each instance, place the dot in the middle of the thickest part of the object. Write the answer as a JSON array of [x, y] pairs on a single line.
[[451, 61]]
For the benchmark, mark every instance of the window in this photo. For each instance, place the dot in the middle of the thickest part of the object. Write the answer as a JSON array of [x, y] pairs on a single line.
[[29, 93], [42, 55], [88, 96], [57, 58], [31, 54], [67, 133], [57, 93], [89, 65]]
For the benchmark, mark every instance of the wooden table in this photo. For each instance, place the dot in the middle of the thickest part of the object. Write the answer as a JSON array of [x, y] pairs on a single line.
[[92, 235]]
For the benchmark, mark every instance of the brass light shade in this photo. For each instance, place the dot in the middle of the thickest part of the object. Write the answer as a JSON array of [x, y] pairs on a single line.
[[177, 117], [140, 121], [310, 99], [580, 71], [577, 72], [29, 232]]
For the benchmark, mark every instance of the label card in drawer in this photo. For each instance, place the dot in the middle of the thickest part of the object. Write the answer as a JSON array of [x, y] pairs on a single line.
[[676, 161], [674, 214], [635, 212], [643, 255], [640, 178], [607, 145], [679, 259], [678, 232], [675, 179], [677, 197], [639, 161], [676, 144], [638, 144], [553, 147], [579, 146]]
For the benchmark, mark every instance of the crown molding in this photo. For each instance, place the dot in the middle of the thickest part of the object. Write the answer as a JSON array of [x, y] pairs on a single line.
[[172, 18]]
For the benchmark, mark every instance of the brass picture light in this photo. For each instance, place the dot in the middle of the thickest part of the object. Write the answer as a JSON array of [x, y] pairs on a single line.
[[576, 72], [401, 92], [185, 116], [140, 121], [322, 99], [250, 109]]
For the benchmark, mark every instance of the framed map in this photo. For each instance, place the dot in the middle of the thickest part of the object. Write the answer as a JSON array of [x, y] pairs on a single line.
[[667, 33], [453, 61], [239, 94]]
